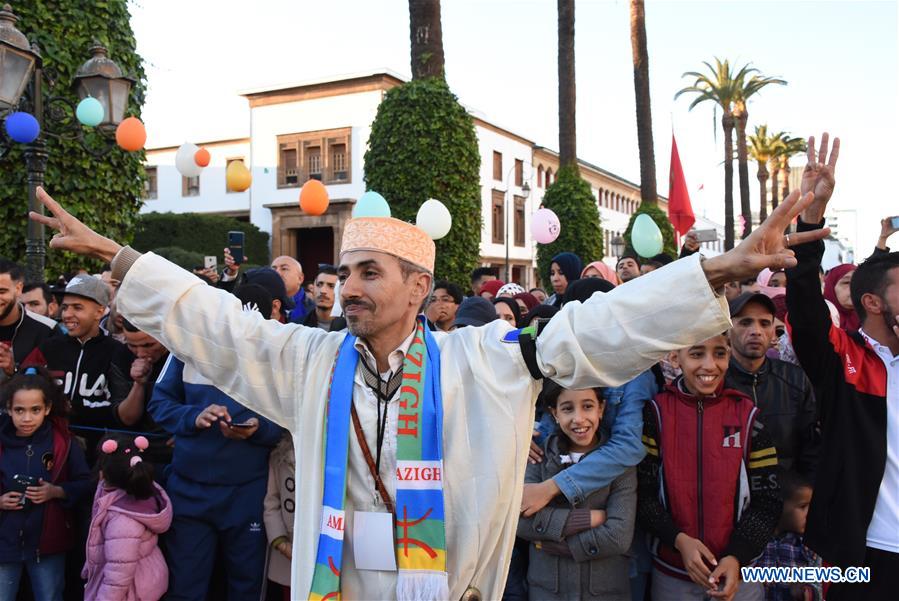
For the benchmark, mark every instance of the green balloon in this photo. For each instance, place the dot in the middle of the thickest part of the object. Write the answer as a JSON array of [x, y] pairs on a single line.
[[646, 237], [89, 112]]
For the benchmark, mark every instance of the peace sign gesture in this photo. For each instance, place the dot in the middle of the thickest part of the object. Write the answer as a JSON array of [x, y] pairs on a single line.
[[818, 176], [71, 234]]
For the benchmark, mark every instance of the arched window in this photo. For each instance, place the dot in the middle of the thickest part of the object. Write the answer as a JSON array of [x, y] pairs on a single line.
[[540, 176], [549, 176]]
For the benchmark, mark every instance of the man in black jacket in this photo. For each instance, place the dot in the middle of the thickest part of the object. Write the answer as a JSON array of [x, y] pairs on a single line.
[[781, 390], [323, 295], [854, 516], [92, 367], [20, 331]]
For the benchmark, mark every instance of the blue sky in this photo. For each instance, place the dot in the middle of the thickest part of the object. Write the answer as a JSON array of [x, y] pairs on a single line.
[[840, 59]]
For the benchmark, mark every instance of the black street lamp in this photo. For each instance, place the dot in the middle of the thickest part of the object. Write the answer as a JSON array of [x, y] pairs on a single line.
[[618, 244], [21, 89]]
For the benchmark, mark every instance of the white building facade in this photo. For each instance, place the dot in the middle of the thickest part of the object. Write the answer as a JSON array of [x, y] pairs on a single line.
[[320, 130]]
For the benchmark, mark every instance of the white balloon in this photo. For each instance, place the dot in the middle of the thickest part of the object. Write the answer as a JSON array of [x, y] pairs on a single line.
[[434, 218], [185, 161]]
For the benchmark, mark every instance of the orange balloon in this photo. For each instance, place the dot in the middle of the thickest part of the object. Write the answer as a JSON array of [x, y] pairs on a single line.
[[202, 157], [314, 197], [131, 134]]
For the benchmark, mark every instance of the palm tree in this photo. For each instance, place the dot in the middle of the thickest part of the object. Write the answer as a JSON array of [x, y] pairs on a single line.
[[791, 147], [763, 148], [567, 92], [775, 169], [723, 87], [648, 193], [426, 36], [747, 88]]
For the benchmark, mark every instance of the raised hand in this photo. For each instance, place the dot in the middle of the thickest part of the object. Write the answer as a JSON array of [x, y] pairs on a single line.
[[765, 247], [886, 230], [818, 176], [72, 235]]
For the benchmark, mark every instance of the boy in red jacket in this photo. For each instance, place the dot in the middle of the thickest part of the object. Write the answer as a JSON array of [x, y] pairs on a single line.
[[708, 490]]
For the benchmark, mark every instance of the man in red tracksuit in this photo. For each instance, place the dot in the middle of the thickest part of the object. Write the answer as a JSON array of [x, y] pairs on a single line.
[[708, 489], [853, 519]]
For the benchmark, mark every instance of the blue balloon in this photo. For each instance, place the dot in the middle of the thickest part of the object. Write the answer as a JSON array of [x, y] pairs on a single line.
[[22, 127], [371, 204], [89, 112]]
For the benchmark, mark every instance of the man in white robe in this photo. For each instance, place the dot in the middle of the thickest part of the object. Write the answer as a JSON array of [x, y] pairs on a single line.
[[283, 371]]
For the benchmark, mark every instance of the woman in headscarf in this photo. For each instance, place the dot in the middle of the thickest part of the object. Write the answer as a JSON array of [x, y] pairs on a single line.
[[565, 268], [490, 289], [507, 310], [526, 301], [836, 290], [510, 290], [598, 269]]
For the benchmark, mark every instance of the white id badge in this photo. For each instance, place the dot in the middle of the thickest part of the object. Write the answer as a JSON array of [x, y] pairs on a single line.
[[373, 547]]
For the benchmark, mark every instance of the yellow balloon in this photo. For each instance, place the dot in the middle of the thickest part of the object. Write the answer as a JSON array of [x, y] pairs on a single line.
[[238, 177]]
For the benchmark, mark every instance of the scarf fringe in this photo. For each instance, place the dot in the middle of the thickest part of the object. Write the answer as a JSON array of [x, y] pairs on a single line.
[[422, 585]]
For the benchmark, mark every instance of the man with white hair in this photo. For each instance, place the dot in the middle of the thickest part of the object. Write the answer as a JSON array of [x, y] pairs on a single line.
[[411, 446]]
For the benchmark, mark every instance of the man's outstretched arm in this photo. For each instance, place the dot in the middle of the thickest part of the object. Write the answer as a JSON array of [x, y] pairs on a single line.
[[613, 337], [252, 359]]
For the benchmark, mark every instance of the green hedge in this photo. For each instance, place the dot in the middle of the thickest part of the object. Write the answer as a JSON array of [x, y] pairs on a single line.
[[661, 219], [572, 200], [423, 145], [200, 234]]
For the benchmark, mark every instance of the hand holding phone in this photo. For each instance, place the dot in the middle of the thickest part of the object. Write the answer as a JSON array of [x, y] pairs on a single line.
[[22, 484], [239, 430], [235, 246]]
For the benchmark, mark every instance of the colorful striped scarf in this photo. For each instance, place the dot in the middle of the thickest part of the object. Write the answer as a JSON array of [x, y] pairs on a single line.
[[420, 532]]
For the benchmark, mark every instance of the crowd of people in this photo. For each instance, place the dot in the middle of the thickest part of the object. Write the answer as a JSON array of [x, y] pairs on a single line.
[[127, 473]]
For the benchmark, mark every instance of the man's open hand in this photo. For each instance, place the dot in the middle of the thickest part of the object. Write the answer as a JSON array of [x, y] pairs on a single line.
[[71, 234], [767, 246]]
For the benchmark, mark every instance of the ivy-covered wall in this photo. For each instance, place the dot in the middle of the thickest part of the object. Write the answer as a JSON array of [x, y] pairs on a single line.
[[423, 145], [103, 193], [572, 200]]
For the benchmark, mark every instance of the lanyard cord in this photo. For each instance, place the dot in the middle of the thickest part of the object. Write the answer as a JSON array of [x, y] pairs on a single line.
[[383, 392]]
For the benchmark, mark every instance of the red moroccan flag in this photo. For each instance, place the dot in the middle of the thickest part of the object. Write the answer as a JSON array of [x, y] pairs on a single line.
[[680, 211]]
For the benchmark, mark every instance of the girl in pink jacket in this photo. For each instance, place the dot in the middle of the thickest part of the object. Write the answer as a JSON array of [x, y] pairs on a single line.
[[124, 562]]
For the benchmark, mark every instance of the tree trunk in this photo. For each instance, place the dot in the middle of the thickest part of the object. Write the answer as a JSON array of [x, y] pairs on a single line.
[[426, 36], [775, 178], [648, 193], [567, 123], [763, 191], [785, 170], [727, 123], [743, 164]]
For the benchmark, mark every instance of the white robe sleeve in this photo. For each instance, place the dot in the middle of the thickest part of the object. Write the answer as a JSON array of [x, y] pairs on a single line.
[[255, 361], [613, 337]]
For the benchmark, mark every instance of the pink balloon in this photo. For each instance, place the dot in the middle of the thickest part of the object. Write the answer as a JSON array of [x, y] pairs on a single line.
[[545, 226]]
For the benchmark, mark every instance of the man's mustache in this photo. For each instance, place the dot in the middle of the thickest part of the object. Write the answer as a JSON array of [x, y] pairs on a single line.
[[360, 303]]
